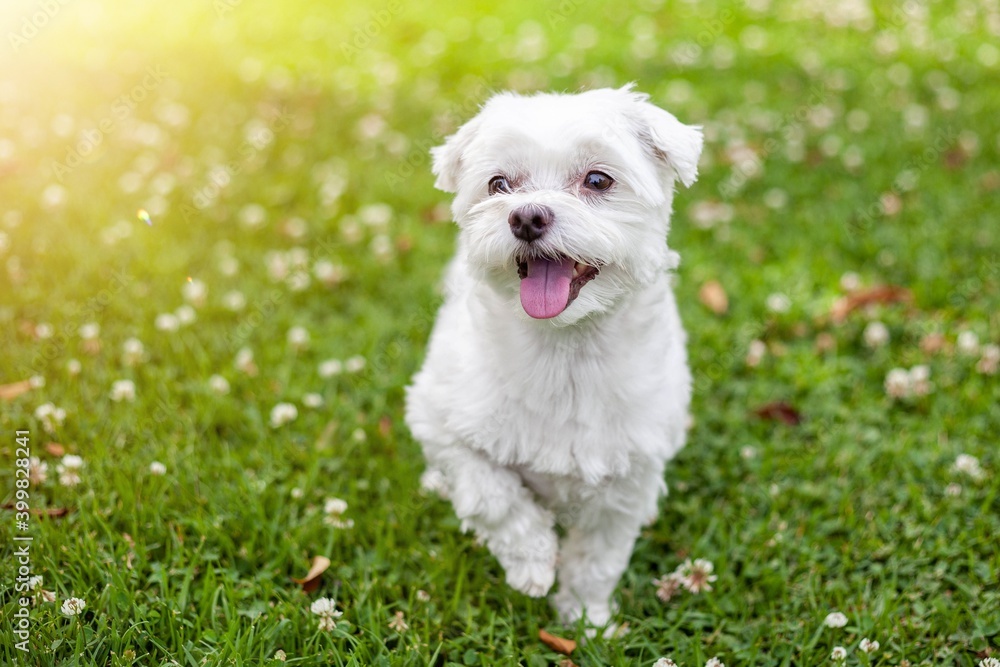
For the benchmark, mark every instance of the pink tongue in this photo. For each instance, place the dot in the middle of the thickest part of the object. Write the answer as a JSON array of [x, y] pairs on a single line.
[[545, 290]]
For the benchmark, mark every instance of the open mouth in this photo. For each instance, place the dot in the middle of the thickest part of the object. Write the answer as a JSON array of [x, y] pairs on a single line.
[[549, 285]]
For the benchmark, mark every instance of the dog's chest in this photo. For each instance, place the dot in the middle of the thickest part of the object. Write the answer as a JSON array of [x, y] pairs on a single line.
[[574, 406]]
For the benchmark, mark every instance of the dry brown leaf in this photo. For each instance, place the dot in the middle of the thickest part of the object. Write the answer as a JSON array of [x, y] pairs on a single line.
[[781, 412], [385, 426], [55, 449], [9, 392], [846, 305], [54, 512], [557, 644], [311, 581], [713, 296]]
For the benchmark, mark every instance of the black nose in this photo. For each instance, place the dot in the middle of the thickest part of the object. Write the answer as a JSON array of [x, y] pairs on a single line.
[[528, 222]]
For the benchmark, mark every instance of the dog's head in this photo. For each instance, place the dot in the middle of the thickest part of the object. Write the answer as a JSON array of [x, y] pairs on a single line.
[[564, 200]]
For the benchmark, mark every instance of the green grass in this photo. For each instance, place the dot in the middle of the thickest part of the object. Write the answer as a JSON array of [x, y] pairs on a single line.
[[849, 510]]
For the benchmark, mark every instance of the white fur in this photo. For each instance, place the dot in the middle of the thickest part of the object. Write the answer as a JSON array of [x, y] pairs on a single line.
[[569, 420]]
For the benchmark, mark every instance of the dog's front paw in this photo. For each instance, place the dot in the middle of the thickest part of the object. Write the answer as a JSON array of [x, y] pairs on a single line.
[[531, 569], [534, 578], [571, 609]]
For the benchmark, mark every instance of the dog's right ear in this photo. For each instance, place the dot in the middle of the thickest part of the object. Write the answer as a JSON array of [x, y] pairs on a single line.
[[448, 156]]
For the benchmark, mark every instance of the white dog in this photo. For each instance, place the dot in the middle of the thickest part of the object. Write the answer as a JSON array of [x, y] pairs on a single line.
[[556, 383]]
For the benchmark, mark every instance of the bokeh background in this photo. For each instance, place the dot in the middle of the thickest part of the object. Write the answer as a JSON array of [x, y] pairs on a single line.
[[219, 250]]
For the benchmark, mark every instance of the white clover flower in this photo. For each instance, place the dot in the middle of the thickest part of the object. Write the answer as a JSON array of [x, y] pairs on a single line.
[[298, 338], [328, 613], [953, 490], [244, 361], [123, 390], [668, 586], [312, 400], [920, 383], [252, 215], [296, 493], [381, 247], [133, 352], [328, 273], [218, 384], [73, 606], [755, 353], [330, 367], [398, 623], [969, 465], [897, 383], [277, 265], [354, 364], [229, 265], [423, 596], [43, 331], [73, 367], [38, 470], [334, 509], [778, 303], [876, 334], [36, 381], [185, 315], [157, 468], [989, 662], [234, 301], [296, 228], [989, 362], [280, 656], [50, 416], [697, 575], [838, 654], [714, 662], [376, 215], [664, 662], [282, 413], [298, 281], [72, 461], [167, 322], [34, 582], [868, 645], [835, 619], [90, 331], [194, 292], [69, 470], [968, 343]]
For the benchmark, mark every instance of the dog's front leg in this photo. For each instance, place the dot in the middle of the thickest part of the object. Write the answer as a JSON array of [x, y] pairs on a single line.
[[601, 533], [493, 501]]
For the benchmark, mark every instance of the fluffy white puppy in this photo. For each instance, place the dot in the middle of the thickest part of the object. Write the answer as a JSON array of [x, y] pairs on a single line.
[[556, 383]]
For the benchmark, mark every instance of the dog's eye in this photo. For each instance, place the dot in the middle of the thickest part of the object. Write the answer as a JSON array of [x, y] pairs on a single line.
[[597, 181], [499, 184]]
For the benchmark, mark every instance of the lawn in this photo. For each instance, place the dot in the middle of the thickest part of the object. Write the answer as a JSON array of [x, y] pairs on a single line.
[[219, 253]]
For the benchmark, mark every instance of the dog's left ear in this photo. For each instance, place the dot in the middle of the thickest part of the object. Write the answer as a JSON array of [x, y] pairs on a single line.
[[447, 157], [676, 144]]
